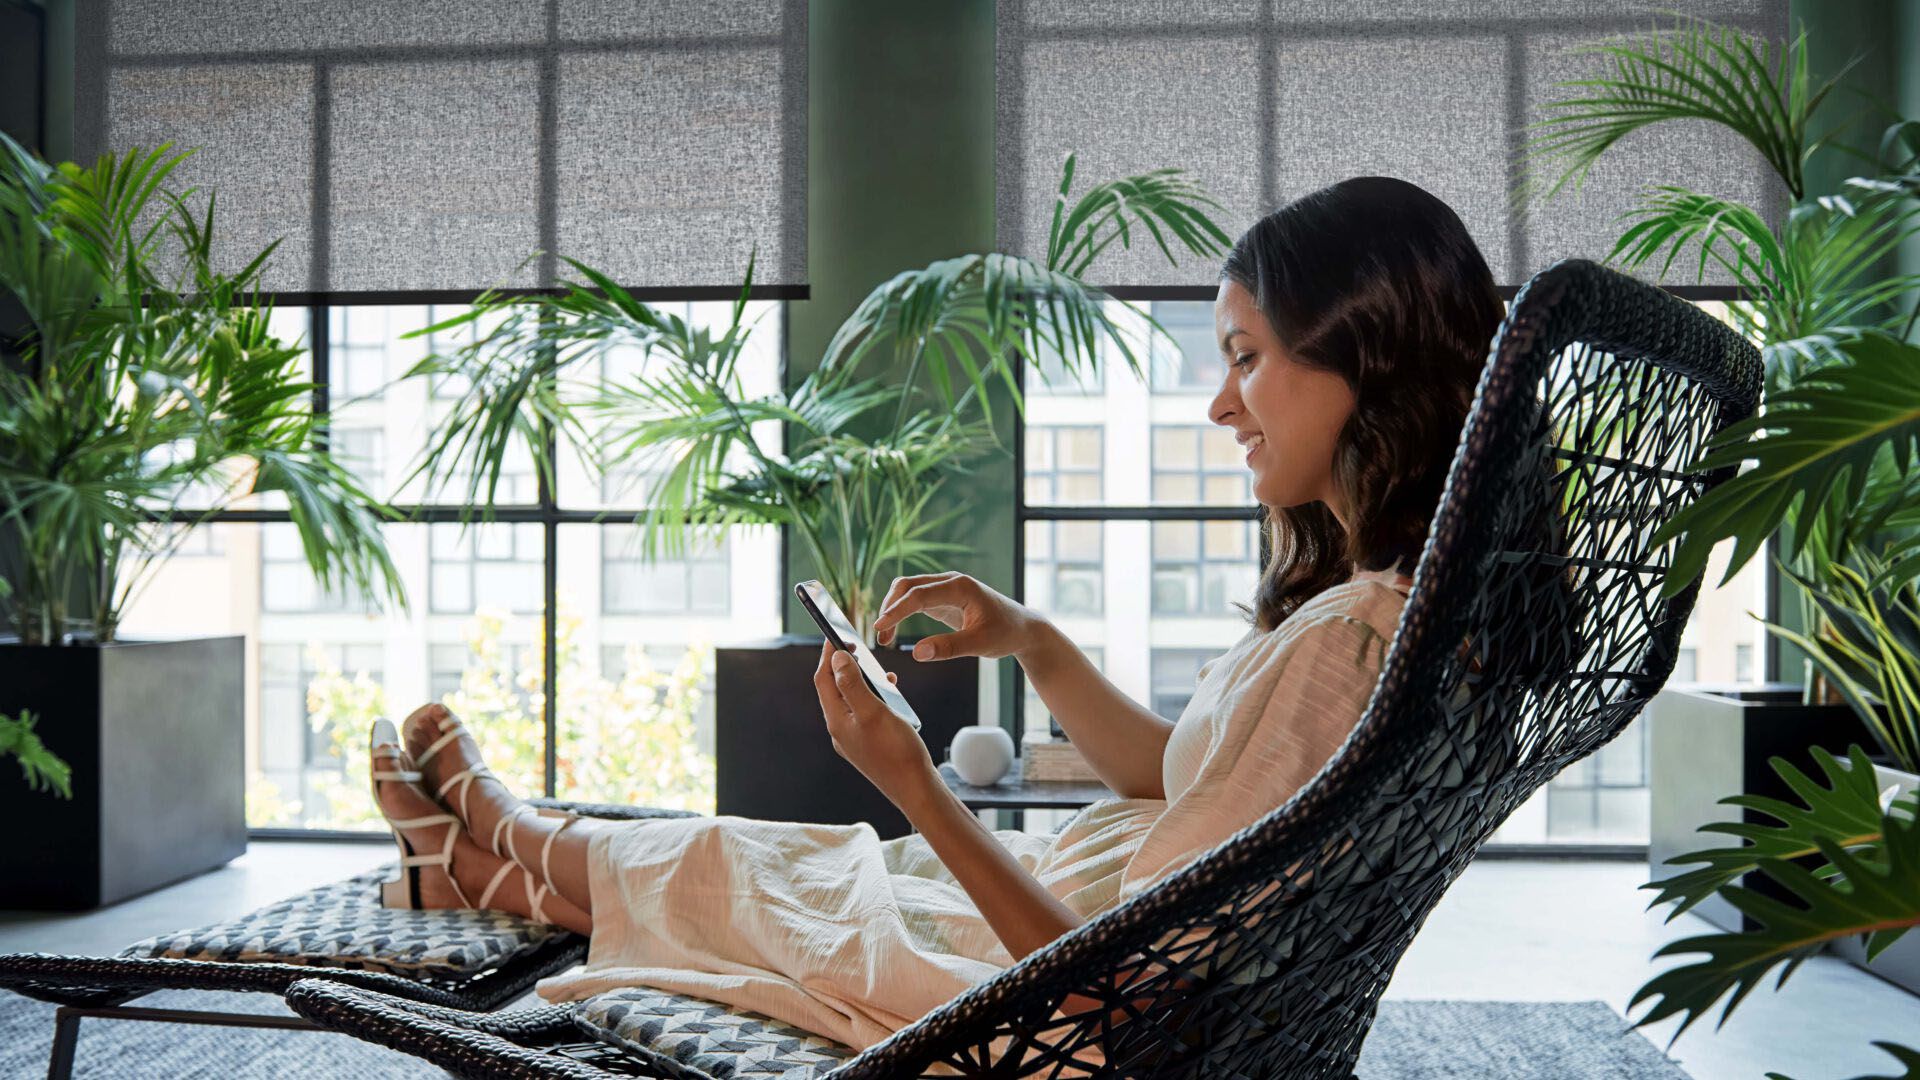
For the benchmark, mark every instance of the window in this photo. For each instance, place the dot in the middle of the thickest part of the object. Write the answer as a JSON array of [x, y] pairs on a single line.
[[1176, 673], [1191, 362], [477, 635], [287, 583], [1603, 797], [299, 744], [493, 565], [1054, 378], [631, 585], [1064, 561], [1201, 567]]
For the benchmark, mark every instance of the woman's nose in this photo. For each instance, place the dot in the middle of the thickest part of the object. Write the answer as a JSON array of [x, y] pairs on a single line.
[[1224, 405]]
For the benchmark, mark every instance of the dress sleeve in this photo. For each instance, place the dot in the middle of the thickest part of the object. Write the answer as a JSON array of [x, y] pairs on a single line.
[[1285, 718]]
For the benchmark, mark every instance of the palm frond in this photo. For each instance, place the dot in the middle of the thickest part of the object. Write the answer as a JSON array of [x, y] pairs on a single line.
[[1693, 70], [1161, 199], [1814, 441]]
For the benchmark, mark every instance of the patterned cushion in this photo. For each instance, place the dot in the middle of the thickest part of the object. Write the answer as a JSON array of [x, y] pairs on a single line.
[[343, 925], [689, 1037]]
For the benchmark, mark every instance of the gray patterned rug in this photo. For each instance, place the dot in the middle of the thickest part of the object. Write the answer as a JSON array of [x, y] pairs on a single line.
[[1412, 1039]]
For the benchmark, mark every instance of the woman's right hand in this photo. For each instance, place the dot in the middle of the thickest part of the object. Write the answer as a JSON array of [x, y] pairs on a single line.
[[986, 623]]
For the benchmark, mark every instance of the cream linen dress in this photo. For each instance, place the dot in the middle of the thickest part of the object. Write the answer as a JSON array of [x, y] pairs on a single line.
[[852, 937]]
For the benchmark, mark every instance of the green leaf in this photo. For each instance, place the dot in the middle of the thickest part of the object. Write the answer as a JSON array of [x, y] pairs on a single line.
[[1869, 889], [1845, 810], [43, 770], [1694, 70], [1813, 440], [147, 376]]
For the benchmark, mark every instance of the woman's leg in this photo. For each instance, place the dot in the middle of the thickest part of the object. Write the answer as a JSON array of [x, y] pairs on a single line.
[[491, 809], [473, 868]]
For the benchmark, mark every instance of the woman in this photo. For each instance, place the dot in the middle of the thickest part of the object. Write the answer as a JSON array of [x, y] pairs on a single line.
[[1352, 325]]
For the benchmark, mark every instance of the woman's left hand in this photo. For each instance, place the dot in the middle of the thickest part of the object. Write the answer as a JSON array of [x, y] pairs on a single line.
[[884, 747]]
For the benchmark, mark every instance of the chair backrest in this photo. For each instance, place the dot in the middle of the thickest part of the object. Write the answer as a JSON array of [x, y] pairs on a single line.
[[1533, 634]]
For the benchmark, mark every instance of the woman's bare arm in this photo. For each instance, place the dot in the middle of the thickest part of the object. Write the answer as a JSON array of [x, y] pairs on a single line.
[[1023, 914], [1123, 741]]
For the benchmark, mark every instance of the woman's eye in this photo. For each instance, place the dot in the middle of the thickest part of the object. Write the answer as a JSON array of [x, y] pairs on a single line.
[[1242, 360]]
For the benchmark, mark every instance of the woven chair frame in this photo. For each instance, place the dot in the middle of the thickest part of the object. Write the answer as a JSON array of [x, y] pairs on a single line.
[[1534, 633]]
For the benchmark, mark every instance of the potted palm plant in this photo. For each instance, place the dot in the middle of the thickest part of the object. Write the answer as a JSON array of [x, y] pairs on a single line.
[[141, 392], [899, 405], [1831, 471]]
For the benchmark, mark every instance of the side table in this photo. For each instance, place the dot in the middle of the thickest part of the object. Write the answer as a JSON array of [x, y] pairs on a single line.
[[1016, 794]]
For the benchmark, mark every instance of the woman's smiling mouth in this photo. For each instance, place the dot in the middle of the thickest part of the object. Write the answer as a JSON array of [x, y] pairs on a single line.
[[1254, 443]]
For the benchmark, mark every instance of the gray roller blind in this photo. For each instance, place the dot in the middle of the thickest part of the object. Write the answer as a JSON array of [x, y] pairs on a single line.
[[432, 145], [1266, 100]]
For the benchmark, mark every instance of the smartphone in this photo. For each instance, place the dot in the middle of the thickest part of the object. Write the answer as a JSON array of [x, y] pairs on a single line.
[[839, 630]]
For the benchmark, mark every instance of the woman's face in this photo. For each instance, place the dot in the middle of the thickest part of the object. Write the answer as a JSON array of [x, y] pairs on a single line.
[[1285, 414]]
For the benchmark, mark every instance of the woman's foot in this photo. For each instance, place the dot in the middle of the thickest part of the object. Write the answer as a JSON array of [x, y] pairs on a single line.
[[453, 772], [469, 877]]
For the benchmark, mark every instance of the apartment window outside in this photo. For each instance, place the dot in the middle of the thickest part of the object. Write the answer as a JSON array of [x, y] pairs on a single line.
[[479, 633], [1064, 560], [1201, 567], [1190, 361], [298, 748], [497, 565], [631, 585]]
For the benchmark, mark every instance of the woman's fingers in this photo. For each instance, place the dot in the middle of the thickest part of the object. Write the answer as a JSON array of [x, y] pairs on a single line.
[[883, 625], [823, 676], [924, 596]]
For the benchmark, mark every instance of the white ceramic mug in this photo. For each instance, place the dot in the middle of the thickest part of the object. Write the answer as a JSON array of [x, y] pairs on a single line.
[[981, 753]]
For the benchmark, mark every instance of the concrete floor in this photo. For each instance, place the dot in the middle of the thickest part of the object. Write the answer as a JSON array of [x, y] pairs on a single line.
[[1509, 930]]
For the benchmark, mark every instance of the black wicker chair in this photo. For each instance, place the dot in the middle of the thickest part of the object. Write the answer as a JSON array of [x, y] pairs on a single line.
[[105, 987], [1533, 635]]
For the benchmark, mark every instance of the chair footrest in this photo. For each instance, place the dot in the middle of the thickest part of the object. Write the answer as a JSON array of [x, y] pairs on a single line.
[[343, 924]]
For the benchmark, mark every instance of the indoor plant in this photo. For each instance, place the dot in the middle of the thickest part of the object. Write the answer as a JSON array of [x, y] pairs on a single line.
[[140, 393], [1832, 449], [858, 502], [864, 475]]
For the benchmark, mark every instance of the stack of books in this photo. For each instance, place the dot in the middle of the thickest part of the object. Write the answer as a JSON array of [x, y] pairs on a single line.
[[1054, 759]]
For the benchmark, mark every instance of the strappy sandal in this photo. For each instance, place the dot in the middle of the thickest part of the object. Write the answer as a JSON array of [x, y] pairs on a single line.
[[451, 728], [535, 898], [404, 891]]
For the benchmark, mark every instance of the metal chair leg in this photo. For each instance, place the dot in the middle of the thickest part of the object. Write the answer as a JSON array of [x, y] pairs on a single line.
[[66, 1033]]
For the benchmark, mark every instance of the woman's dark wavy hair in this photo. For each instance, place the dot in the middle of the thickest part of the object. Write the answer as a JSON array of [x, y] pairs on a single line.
[[1377, 280]]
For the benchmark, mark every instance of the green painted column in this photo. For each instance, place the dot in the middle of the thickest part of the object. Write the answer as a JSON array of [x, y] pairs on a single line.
[[1881, 38], [900, 173]]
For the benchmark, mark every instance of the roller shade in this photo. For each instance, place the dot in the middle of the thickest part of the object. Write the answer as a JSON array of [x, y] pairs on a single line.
[[434, 145], [1266, 100]]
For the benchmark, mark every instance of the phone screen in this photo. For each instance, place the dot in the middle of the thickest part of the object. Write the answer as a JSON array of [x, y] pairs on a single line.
[[839, 630]]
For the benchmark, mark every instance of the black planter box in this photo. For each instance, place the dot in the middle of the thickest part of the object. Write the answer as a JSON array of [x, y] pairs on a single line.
[[774, 760], [154, 733], [1706, 744]]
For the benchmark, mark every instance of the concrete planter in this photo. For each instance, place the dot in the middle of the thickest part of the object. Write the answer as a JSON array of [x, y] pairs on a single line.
[[1705, 744], [153, 731], [773, 758]]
